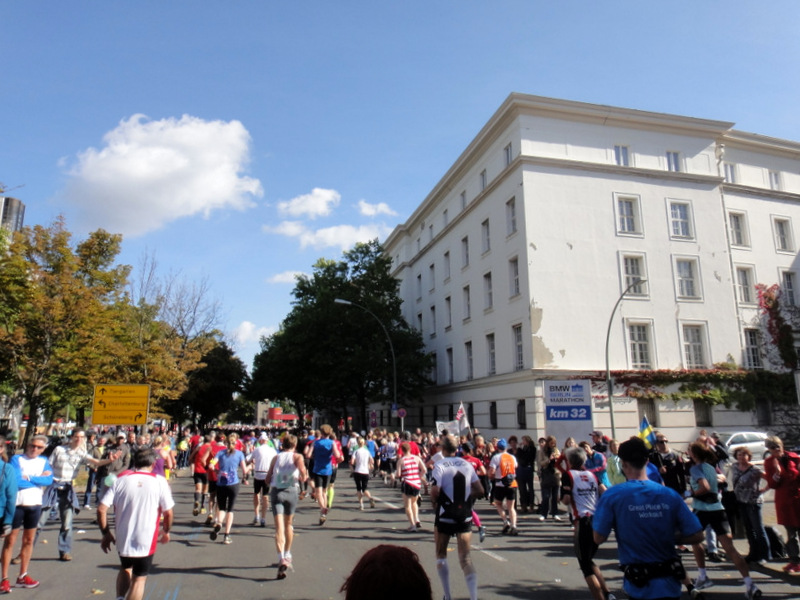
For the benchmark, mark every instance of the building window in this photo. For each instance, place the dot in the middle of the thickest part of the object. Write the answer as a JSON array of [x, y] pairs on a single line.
[[434, 367], [448, 313], [680, 216], [483, 180], [639, 339], [419, 323], [752, 349], [693, 347], [774, 180], [686, 271], [673, 161], [463, 197], [621, 156], [486, 241], [419, 245], [784, 241], [702, 413], [432, 276], [519, 359], [511, 216], [738, 227], [493, 414], [467, 304], [522, 421], [430, 232], [433, 321], [488, 300], [470, 413], [744, 285], [513, 277], [445, 218], [450, 412], [447, 265], [507, 154], [491, 366], [468, 359], [465, 252], [633, 267], [730, 172], [449, 356], [647, 408], [628, 215], [788, 292], [419, 286]]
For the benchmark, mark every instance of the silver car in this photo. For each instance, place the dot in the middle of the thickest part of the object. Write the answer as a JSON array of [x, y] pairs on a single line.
[[753, 440]]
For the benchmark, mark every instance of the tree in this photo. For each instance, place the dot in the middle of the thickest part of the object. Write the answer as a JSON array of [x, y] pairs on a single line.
[[211, 388], [57, 308], [334, 357]]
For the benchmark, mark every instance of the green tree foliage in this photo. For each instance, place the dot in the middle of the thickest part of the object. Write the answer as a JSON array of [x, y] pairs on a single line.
[[57, 304], [211, 388], [335, 357]]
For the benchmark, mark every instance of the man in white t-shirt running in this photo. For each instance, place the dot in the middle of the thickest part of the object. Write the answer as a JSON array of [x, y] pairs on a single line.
[[261, 460], [139, 498]]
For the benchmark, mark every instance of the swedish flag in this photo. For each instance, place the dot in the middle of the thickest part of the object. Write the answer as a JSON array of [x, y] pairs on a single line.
[[647, 434]]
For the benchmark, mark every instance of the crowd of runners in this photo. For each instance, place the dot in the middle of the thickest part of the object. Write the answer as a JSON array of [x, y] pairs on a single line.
[[597, 483]]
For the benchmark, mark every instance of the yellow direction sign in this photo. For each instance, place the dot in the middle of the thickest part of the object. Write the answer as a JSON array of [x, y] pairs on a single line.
[[116, 404]]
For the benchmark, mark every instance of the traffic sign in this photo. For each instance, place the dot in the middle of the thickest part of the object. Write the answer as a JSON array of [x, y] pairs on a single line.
[[402, 413], [120, 404]]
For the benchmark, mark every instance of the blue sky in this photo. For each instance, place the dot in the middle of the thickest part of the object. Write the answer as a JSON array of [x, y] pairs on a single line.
[[242, 141]]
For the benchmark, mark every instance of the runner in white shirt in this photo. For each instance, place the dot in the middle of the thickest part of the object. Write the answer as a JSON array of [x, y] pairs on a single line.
[[139, 498], [261, 461], [363, 463]]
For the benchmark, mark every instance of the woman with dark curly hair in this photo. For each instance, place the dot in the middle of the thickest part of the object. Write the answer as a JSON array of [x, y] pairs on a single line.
[[389, 572]]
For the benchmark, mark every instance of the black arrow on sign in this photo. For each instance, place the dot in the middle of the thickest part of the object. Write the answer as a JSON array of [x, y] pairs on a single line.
[[102, 403], [139, 416]]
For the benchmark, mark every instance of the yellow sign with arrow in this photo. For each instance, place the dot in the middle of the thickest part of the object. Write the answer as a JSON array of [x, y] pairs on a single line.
[[120, 404]]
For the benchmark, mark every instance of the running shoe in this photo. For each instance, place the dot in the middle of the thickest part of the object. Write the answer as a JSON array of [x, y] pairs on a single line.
[[256, 522], [196, 509], [322, 518], [481, 533], [542, 518], [513, 531], [263, 523], [282, 567], [203, 510], [506, 528], [419, 525], [752, 592], [610, 596], [792, 568], [215, 531], [226, 539], [87, 507], [5, 587], [372, 502], [703, 583], [25, 581], [557, 518]]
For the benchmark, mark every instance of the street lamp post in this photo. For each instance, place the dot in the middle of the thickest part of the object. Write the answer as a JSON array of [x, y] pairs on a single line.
[[388, 339], [609, 381]]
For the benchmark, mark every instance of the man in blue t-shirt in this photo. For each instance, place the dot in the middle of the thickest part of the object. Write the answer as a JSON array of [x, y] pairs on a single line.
[[646, 517], [323, 452]]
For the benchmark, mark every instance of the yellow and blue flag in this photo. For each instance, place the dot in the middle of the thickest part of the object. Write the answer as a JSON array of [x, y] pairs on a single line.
[[647, 434]]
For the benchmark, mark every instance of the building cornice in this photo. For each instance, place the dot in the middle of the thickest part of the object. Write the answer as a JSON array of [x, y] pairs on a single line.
[[762, 143]]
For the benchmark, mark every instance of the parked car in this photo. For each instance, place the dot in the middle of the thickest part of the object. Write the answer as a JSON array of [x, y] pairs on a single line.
[[753, 440]]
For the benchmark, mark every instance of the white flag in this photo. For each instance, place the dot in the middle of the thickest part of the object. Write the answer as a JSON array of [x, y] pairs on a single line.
[[461, 417]]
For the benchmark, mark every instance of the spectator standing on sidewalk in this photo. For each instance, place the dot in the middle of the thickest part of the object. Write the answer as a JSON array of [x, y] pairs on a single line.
[[783, 476]]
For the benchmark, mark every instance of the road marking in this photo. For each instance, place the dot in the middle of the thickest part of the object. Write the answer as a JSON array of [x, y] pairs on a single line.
[[490, 554]]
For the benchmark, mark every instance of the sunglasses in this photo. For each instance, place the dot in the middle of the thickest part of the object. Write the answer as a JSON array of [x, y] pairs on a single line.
[[36, 446]]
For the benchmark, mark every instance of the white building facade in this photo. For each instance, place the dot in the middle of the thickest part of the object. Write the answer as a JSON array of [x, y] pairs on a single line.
[[512, 265]]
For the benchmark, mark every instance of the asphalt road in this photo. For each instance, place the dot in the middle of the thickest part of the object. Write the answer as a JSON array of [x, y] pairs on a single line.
[[539, 563]]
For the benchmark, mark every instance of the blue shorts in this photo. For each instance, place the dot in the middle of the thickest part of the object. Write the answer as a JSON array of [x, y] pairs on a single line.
[[27, 517]]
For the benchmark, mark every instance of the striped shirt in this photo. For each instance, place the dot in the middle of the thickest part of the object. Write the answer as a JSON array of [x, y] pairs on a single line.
[[409, 471]]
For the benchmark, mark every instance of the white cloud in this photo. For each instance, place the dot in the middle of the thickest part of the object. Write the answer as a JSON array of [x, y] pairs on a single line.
[[285, 277], [150, 173], [338, 236], [372, 210], [319, 203], [248, 333]]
